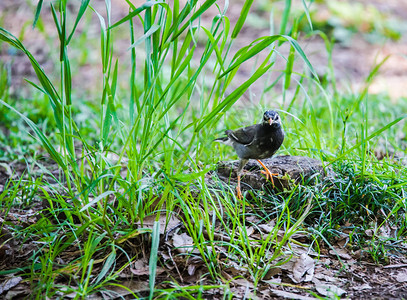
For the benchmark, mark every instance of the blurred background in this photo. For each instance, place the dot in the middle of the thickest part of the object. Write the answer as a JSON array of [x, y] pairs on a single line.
[[365, 32]]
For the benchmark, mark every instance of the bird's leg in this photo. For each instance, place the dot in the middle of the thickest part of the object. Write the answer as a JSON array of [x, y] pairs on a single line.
[[267, 172], [242, 163], [238, 191]]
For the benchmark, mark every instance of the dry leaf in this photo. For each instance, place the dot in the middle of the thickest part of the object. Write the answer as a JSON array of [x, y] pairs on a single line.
[[165, 224], [272, 272], [290, 295], [191, 269], [266, 228], [243, 282], [364, 286], [140, 267], [249, 230], [329, 290], [342, 253], [324, 277], [183, 242], [274, 281], [9, 284], [402, 276], [132, 285], [303, 269]]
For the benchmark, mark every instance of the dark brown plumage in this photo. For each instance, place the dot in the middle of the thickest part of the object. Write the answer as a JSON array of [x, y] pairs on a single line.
[[258, 141]]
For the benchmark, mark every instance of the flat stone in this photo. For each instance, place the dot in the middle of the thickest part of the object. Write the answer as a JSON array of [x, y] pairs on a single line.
[[291, 170]]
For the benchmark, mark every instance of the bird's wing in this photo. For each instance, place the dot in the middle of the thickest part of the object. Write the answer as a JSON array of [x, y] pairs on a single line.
[[244, 135]]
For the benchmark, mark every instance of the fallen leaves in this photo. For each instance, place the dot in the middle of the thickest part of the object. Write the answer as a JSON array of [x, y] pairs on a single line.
[[141, 267], [293, 271], [342, 253], [303, 269], [9, 283], [289, 295], [13, 287], [402, 276], [183, 243]]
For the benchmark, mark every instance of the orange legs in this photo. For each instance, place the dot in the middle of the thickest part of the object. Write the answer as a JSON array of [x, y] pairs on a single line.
[[267, 172], [239, 192], [242, 163]]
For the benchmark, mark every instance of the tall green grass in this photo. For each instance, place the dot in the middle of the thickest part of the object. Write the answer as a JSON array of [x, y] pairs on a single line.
[[153, 136]]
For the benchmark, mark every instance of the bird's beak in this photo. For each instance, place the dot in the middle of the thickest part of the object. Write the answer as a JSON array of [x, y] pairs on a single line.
[[271, 121]]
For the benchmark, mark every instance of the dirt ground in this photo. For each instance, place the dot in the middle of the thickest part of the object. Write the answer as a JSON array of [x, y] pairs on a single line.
[[348, 273], [352, 62], [336, 271]]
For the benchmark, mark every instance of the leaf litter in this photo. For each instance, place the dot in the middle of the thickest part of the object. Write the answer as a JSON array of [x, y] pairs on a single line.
[[334, 271]]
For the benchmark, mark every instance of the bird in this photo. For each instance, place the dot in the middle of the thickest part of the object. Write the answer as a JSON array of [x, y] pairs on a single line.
[[257, 142]]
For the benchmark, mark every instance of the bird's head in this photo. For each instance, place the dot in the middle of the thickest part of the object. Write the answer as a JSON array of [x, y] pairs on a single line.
[[271, 118]]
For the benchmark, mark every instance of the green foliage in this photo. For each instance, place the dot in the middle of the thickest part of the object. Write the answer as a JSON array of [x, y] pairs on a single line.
[[341, 20], [4, 81]]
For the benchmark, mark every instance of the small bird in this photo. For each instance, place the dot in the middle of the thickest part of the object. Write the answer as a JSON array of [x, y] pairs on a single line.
[[258, 141]]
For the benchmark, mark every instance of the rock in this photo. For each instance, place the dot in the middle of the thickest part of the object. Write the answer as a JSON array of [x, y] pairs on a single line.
[[290, 170]]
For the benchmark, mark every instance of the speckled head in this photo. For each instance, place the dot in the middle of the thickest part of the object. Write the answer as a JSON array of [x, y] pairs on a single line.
[[272, 118]]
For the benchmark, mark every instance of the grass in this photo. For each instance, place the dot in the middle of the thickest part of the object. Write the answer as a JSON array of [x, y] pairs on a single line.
[[341, 20], [146, 155]]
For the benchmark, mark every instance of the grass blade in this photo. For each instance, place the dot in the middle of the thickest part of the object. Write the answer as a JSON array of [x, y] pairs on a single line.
[[109, 264], [205, 6], [262, 43], [286, 14], [37, 12], [82, 9], [307, 14], [215, 46], [235, 95], [149, 33], [134, 13], [155, 237], [374, 134], [242, 18]]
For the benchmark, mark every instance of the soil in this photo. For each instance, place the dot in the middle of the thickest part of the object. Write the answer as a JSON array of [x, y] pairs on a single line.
[[337, 269]]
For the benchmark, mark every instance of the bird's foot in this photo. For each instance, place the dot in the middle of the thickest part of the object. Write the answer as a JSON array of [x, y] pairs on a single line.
[[269, 175], [266, 171], [239, 194]]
